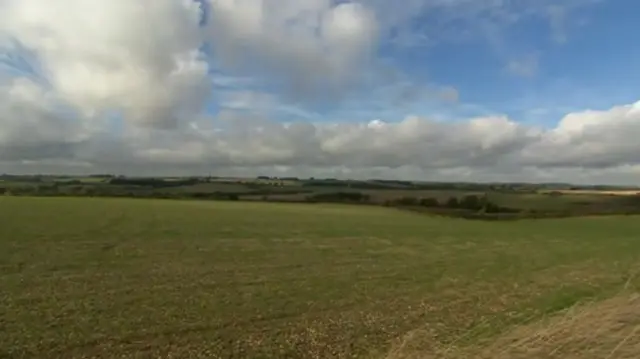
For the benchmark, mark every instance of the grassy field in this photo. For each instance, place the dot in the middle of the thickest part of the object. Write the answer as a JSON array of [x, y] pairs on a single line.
[[480, 201], [126, 278]]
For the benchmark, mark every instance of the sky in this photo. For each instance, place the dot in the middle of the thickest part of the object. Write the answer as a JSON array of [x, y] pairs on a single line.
[[432, 90]]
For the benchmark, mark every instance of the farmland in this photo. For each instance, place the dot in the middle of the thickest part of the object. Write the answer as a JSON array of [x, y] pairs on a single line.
[[466, 200], [150, 278]]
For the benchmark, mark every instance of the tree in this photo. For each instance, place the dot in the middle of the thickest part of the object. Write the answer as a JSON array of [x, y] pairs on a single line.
[[429, 202], [472, 202], [408, 201], [453, 202]]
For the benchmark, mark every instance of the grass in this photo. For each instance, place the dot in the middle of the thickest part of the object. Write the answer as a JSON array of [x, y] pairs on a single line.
[[106, 278], [606, 329]]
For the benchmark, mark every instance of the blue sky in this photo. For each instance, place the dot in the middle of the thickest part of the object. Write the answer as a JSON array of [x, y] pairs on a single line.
[[531, 69], [535, 68], [535, 90]]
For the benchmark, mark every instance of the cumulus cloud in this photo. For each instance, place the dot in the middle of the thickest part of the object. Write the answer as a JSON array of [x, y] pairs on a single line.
[[593, 139], [313, 46], [120, 86], [149, 60], [583, 146], [140, 58], [32, 126]]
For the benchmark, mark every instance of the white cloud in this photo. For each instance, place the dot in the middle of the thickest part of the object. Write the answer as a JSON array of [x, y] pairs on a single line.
[[78, 68], [146, 59], [583, 146], [594, 139], [309, 46], [138, 57], [33, 126]]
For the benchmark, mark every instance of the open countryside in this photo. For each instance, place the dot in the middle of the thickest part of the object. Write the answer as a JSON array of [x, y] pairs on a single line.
[[319, 179], [157, 278]]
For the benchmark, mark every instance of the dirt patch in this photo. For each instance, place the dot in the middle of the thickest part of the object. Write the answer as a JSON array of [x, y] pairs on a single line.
[[596, 192], [606, 330]]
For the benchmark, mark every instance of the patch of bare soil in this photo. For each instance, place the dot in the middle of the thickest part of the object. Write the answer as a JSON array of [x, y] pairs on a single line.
[[605, 330], [597, 192]]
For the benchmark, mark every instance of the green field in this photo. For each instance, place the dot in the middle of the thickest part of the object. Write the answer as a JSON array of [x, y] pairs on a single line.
[[126, 278]]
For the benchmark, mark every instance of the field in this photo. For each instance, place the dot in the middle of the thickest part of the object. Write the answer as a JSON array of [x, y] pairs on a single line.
[[488, 201], [144, 278], [598, 192]]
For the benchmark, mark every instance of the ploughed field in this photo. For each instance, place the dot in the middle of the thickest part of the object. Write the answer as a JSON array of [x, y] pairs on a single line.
[[127, 278]]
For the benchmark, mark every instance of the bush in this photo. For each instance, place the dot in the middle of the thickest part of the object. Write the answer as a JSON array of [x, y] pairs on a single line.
[[152, 182], [429, 202], [453, 202], [407, 201], [339, 197], [490, 207], [472, 202]]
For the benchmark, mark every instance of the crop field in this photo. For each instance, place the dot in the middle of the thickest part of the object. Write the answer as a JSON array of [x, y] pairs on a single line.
[[598, 192], [142, 278]]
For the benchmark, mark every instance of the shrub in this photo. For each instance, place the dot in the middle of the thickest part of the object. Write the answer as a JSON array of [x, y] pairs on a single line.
[[472, 202], [453, 202], [339, 197], [429, 202], [407, 201]]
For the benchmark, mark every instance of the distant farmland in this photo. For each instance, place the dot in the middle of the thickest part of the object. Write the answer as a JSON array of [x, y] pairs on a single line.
[[497, 201], [123, 278], [596, 192]]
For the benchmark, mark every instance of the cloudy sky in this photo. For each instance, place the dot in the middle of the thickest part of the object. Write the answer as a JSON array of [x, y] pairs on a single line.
[[472, 90]]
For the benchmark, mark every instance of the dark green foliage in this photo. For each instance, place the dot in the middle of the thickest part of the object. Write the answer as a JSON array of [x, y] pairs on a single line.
[[339, 197], [631, 201], [495, 201], [230, 196], [429, 202], [453, 202], [407, 201], [490, 207], [101, 176], [349, 184], [470, 206], [151, 182], [472, 202], [395, 182]]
